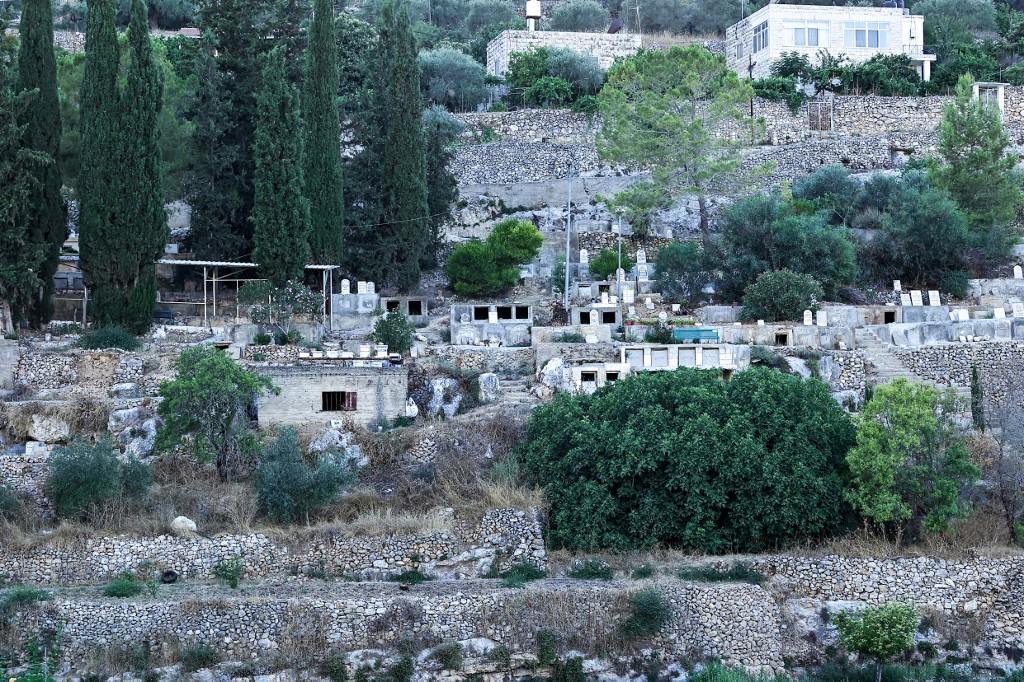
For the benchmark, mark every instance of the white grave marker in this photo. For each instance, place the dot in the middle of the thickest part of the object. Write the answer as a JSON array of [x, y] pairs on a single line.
[[641, 273], [934, 299], [999, 313], [371, 288], [628, 296], [962, 315], [649, 304], [492, 317], [360, 287], [916, 298], [760, 323], [1018, 272], [662, 316], [346, 287], [1018, 309], [675, 307], [584, 257], [808, 318], [641, 257], [604, 298], [897, 285], [822, 318], [905, 299]]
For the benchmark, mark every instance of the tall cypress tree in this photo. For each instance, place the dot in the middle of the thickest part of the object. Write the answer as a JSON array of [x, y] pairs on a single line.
[[404, 233], [142, 218], [281, 213], [98, 175], [37, 71], [323, 145]]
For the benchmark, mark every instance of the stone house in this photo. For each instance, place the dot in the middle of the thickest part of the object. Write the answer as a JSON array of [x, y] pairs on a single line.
[[859, 33], [605, 47], [317, 393]]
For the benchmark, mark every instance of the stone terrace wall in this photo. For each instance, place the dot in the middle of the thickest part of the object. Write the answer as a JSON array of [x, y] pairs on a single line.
[[464, 551], [991, 589], [950, 363], [561, 126], [483, 359], [26, 475], [737, 624]]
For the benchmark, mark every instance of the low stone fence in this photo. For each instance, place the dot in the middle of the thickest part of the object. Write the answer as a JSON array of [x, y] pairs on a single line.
[[561, 126], [737, 624], [511, 359], [950, 364], [465, 550], [516, 162]]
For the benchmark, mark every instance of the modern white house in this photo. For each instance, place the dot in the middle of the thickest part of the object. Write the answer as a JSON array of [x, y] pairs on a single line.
[[860, 33]]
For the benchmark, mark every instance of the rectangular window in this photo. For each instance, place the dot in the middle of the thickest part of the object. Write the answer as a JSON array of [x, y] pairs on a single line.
[[584, 317], [504, 312], [588, 377], [760, 37], [338, 401], [522, 312], [392, 306], [611, 377], [608, 318], [866, 34], [415, 307], [812, 37], [800, 37], [481, 313]]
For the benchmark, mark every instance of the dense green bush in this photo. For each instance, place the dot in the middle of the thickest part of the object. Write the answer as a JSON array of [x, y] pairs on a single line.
[[579, 15], [831, 189], [109, 337], [451, 78], [581, 71], [649, 612], [124, 586], [84, 478], [683, 270], [289, 488], [449, 656], [10, 504], [547, 647], [781, 295], [198, 656], [488, 268], [604, 264], [521, 573], [682, 459], [230, 571], [879, 632], [553, 76], [549, 91], [395, 330], [781, 89]]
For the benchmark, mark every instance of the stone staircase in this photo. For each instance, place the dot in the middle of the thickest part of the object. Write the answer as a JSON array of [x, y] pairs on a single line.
[[885, 366], [516, 391]]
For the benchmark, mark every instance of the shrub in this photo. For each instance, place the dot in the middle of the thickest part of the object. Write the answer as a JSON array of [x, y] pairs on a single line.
[[564, 337], [579, 15], [832, 189], [738, 573], [569, 671], [642, 572], [10, 504], [591, 569], [109, 337], [501, 656], [290, 489], [261, 339], [451, 78], [683, 271], [230, 571], [198, 656], [22, 596], [84, 478], [335, 667], [549, 91], [879, 632], [483, 14], [526, 68], [395, 331], [781, 295], [781, 89], [581, 71], [449, 656], [547, 647], [124, 586], [413, 577], [604, 265], [521, 573], [649, 611], [752, 463], [588, 104]]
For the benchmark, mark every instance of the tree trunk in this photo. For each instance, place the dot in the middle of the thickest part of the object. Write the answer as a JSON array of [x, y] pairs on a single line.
[[878, 672], [705, 227]]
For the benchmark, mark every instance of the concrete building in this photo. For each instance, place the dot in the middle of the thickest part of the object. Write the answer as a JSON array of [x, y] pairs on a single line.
[[491, 324], [859, 33], [648, 357], [316, 393]]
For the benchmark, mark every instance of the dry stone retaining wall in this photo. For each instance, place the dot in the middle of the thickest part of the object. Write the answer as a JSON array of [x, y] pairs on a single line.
[[950, 364], [466, 549], [561, 126], [27, 476], [737, 624], [472, 358]]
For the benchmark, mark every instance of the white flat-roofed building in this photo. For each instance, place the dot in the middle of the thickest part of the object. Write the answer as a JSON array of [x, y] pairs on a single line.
[[860, 33]]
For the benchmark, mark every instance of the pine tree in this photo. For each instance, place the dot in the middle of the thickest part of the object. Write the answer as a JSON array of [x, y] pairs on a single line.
[[323, 174], [980, 172], [37, 71], [281, 213], [142, 218], [99, 174], [404, 234], [123, 224], [20, 168]]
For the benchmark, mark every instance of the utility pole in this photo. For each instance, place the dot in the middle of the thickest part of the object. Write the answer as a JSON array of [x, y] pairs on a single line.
[[568, 241], [618, 280]]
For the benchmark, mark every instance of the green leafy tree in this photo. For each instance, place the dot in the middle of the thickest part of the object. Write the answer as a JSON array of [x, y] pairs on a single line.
[[526, 68], [764, 233], [452, 79], [322, 148], [484, 14], [514, 242], [37, 72], [487, 268], [394, 330], [831, 189], [579, 15], [793, 65], [980, 172], [549, 92], [950, 23], [205, 408], [279, 306], [910, 468], [289, 488], [604, 264], [880, 633], [684, 460], [924, 236], [581, 71], [123, 226], [20, 168], [662, 109], [683, 270], [781, 295], [281, 213], [83, 478], [638, 204]]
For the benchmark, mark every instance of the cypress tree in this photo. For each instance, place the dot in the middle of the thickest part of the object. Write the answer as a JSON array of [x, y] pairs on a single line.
[[405, 233], [142, 218], [98, 175], [440, 129], [323, 175], [37, 71], [281, 213]]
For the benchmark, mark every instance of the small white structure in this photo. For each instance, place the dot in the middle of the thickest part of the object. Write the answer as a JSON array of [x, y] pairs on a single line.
[[859, 33]]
